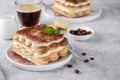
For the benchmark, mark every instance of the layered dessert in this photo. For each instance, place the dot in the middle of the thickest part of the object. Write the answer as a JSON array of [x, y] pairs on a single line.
[[39, 47], [72, 8]]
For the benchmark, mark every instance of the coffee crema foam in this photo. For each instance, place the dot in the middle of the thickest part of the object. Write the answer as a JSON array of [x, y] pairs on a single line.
[[28, 8]]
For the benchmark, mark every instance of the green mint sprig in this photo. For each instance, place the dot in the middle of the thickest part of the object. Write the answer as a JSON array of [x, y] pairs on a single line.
[[50, 30], [71, 0]]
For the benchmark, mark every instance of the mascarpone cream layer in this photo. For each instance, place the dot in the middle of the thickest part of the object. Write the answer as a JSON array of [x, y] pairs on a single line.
[[48, 53], [36, 54], [46, 44], [24, 48], [27, 41], [72, 4], [68, 10]]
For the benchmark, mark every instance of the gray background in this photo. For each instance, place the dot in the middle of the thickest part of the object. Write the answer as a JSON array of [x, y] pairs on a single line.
[[104, 46]]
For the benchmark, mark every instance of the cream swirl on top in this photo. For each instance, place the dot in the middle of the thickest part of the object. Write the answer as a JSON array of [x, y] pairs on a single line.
[[72, 4]]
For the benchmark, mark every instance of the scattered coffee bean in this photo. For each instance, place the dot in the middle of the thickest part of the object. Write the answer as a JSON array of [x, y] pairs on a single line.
[[91, 58], [77, 71], [86, 61], [83, 54], [69, 65]]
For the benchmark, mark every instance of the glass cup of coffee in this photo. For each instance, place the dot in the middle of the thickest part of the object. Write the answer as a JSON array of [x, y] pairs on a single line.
[[28, 12]]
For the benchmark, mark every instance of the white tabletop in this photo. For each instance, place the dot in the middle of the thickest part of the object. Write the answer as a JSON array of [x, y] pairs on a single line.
[[104, 47]]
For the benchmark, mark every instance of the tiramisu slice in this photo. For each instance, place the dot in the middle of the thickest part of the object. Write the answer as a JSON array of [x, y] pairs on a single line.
[[38, 46], [72, 8]]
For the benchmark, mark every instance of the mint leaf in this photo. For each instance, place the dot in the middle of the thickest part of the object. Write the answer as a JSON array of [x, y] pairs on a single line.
[[49, 30], [56, 31], [72, 0]]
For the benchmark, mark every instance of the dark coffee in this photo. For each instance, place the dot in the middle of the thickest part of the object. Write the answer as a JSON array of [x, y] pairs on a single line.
[[29, 15]]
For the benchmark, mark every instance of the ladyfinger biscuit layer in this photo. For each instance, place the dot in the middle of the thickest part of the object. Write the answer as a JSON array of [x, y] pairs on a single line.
[[44, 60]]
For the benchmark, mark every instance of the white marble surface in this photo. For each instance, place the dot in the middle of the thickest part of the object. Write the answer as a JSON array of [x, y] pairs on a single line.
[[104, 46]]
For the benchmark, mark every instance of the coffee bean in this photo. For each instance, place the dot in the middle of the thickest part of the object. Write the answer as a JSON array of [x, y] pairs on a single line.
[[69, 65], [83, 54], [91, 58], [86, 61], [79, 30], [79, 33], [77, 71], [89, 32]]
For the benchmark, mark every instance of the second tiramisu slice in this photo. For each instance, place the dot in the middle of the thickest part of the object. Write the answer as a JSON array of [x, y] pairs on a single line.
[[72, 8]]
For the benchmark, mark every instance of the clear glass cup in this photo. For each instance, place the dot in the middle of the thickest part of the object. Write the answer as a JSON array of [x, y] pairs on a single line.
[[29, 12]]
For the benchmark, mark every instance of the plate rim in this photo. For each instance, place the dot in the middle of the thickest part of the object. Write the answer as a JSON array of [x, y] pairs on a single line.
[[19, 65]]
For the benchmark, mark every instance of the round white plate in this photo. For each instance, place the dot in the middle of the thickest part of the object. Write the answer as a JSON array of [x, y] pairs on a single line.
[[95, 13], [15, 60]]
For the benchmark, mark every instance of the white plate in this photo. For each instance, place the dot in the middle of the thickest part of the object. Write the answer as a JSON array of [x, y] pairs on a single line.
[[30, 66], [95, 13]]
